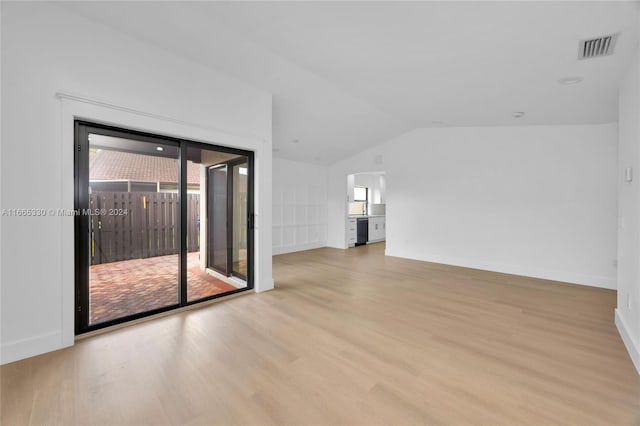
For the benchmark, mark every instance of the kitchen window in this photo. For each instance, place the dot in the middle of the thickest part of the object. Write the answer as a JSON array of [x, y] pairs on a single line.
[[360, 193]]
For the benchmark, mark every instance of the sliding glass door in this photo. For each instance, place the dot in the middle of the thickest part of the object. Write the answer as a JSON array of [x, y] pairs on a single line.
[[161, 223]]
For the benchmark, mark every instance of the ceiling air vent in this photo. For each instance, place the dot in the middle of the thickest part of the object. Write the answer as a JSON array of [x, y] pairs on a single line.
[[596, 47]]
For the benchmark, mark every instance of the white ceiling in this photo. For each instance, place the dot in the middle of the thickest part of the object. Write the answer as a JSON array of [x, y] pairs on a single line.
[[349, 75]]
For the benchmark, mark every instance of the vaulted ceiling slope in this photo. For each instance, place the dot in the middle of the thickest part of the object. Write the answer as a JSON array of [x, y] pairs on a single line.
[[350, 75]]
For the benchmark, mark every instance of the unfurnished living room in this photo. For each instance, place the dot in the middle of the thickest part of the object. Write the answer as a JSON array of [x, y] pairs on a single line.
[[319, 213]]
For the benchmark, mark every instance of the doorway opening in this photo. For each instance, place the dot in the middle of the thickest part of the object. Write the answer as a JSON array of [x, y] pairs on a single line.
[[366, 208], [149, 219]]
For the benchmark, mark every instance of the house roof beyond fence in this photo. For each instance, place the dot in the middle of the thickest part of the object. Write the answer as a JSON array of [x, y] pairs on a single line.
[[117, 165]]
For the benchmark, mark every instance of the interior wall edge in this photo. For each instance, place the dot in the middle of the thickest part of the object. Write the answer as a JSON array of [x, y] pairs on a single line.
[[31, 346], [633, 347]]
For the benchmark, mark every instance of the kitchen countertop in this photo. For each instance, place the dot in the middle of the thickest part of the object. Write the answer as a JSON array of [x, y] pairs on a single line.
[[364, 216]]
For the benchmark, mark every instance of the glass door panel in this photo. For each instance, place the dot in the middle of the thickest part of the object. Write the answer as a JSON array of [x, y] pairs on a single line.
[[211, 201], [239, 213], [133, 220], [217, 218]]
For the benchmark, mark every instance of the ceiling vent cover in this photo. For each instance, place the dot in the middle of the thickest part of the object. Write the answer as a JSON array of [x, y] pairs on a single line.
[[597, 47]]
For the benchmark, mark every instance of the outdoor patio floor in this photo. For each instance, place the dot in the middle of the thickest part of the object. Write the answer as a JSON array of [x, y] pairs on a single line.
[[124, 288]]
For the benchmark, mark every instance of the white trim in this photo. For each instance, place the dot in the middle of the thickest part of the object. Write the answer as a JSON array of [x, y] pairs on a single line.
[[345, 247], [266, 286], [122, 108], [554, 275], [633, 347], [376, 241], [25, 348], [298, 247]]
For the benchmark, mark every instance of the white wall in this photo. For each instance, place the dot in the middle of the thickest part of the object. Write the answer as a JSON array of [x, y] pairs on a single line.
[[299, 206], [382, 179], [1, 182], [46, 50], [351, 183], [628, 311], [373, 182], [537, 201]]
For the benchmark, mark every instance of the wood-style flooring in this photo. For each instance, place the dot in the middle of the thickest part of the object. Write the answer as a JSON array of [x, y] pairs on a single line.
[[349, 337]]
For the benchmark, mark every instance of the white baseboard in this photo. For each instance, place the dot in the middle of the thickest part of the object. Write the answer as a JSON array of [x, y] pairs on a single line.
[[25, 348], [341, 247], [298, 247], [268, 285], [376, 241], [633, 346], [563, 276]]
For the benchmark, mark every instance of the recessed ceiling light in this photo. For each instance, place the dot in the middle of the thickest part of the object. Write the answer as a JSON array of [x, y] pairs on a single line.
[[570, 80], [159, 148], [295, 141], [518, 114]]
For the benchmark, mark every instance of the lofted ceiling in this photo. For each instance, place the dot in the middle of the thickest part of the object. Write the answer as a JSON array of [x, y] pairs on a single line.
[[346, 76]]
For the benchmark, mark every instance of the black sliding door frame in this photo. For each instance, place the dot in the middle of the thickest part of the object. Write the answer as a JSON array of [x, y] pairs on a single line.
[[211, 218], [230, 210], [82, 258]]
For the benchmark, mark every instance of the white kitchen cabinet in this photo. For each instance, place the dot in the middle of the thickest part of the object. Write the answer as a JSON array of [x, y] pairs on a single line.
[[377, 229], [352, 232]]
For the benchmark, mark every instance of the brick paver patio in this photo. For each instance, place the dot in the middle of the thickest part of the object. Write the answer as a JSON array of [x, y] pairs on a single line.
[[131, 286]]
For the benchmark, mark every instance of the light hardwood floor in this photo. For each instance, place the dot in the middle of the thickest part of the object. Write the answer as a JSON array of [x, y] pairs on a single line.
[[349, 337]]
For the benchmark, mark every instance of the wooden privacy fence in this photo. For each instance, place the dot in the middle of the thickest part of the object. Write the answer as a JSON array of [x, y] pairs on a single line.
[[134, 225]]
